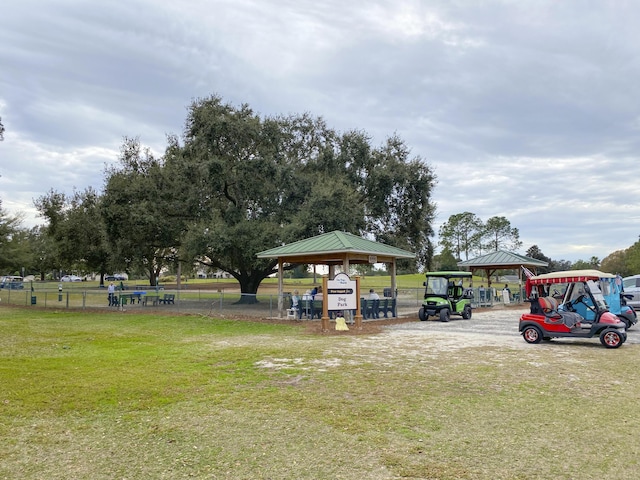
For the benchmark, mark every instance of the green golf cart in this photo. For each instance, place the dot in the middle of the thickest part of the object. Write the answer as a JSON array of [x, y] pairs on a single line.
[[445, 295]]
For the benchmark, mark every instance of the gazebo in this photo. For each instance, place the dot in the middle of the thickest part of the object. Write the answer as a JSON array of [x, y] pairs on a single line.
[[502, 260], [335, 249]]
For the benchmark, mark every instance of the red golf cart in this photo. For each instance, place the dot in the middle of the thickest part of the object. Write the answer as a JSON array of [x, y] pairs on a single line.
[[579, 312]]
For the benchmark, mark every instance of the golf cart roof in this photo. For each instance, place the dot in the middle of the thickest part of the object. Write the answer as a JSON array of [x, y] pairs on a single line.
[[568, 276], [449, 274]]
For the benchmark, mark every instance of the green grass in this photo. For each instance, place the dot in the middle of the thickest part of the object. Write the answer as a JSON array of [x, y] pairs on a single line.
[[105, 396]]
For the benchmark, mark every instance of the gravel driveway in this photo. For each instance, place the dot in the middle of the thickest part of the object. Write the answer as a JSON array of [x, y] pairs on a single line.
[[486, 327]]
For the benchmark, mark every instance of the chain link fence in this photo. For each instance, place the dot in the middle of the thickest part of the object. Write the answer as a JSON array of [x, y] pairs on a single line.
[[223, 303]]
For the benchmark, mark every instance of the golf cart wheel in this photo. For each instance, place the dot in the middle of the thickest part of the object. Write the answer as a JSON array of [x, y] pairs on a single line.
[[421, 315], [445, 315], [611, 339], [532, 334], [466, 313]]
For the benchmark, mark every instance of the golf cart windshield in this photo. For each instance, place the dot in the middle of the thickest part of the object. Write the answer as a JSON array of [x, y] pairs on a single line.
[[436, 286], [584, 288]]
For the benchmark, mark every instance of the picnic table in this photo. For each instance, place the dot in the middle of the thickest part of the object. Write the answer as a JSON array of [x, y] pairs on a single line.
[[137, 296]]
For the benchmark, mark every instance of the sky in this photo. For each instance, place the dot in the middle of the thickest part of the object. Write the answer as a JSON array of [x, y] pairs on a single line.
[[524, 109]]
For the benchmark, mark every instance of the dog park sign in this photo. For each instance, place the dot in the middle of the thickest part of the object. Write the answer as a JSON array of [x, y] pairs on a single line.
[[341, 293]]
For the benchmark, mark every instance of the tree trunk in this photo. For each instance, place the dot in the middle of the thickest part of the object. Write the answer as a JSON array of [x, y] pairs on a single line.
[[249, 283], [154, 276]]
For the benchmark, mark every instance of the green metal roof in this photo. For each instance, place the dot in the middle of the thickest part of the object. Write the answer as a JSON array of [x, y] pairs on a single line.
[[335, 242], [502, 258]]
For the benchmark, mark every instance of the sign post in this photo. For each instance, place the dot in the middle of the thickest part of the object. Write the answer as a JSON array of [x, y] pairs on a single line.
[[341, 294]]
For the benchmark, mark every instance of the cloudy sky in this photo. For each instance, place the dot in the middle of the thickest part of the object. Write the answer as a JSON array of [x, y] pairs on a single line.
[[525, 109]]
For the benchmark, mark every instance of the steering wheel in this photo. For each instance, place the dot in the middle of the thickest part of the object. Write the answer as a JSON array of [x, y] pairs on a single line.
[[581, 299], [570, 305]]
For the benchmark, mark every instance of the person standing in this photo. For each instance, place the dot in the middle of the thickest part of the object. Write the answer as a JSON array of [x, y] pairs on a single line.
[[112, 294], [295, 304], [506, 294]]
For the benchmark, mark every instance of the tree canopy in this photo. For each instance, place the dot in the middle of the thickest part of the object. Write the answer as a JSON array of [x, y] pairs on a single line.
[[465, 233], [462, 233], [500, 234], [76, 226], [143, 211], [12, 246], [237, 183]]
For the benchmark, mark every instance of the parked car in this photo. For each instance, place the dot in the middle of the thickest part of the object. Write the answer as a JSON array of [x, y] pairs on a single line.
[[444, 295], [71, 278], [631, 286], [12, 282], [117, 277], [582, 313]]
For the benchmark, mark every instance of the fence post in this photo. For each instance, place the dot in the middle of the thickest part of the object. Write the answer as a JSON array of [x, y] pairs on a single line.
[[270, 306]]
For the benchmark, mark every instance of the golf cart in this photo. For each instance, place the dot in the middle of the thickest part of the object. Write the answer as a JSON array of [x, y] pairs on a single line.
[[582, 312], [444, 296], [614, 295]]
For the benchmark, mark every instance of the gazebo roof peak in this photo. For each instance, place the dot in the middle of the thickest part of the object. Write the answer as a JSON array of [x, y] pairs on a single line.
[[335, 242], [502, 258]]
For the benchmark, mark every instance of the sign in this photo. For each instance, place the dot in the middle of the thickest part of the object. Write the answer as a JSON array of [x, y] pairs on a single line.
[[373, 259], [341, 293]]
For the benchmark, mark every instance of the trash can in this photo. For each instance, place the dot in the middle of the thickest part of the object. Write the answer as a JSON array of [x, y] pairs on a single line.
[[387, 292], [33, 299]]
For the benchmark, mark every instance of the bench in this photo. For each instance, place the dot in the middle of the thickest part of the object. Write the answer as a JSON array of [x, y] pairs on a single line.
[[370, 308], [373, 308], [153, 298], [168, 298], [123, 298], [388, 306]]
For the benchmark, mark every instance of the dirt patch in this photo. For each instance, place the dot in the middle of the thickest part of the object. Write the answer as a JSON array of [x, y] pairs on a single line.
[[372, 327], [369, 327]]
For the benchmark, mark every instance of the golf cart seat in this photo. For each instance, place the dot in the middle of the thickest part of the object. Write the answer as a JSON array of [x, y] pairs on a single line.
[[455, 292], [549, 307], [548, 304]]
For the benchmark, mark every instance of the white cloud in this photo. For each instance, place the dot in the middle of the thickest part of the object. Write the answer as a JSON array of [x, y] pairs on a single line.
[[527, 110]]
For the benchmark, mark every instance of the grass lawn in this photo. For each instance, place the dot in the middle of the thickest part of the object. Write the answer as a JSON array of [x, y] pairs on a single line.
[[125, 396]]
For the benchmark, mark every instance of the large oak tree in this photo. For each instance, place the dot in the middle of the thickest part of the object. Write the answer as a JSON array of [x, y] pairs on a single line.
[[252, 183]]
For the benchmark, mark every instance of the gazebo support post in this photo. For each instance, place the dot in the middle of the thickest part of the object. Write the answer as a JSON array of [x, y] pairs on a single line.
[[358, 319], [520, 296], [325, 306], [489, 288], [280, 287], [393, 279]]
